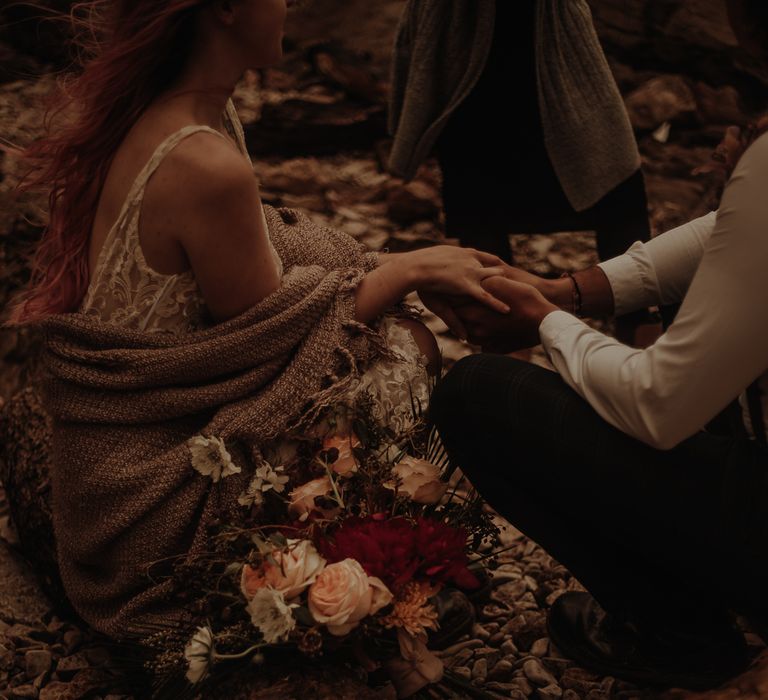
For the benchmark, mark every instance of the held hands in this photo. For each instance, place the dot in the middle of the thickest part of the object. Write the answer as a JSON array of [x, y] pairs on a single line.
[[456, 272], [493, 331]]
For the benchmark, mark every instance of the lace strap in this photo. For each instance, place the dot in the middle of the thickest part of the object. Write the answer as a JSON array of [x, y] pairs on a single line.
[[237, 127], [166, 147]]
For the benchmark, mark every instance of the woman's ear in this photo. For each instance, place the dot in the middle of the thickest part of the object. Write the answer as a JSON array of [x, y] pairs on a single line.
[[224, 11]]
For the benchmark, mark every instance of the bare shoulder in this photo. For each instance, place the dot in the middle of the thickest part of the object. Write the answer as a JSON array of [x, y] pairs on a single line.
[[203, 165]]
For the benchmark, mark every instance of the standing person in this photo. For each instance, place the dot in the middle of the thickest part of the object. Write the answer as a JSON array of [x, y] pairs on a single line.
[[612, 463], [519, 104]]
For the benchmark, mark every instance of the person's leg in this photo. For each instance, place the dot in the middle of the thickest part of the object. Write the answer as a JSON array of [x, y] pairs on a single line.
[[648, 532]]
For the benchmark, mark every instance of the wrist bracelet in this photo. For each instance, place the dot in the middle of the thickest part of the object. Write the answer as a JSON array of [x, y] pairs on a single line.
[[575, 294]]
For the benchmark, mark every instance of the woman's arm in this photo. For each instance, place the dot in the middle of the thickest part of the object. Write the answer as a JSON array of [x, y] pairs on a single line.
[[217, 215]]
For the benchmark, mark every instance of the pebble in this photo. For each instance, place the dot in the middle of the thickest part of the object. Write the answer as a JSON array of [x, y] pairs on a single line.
[[72, 639], [508, 648], [501, 669], [456, 648], [549, 692], [508, 690], [497, 638], [537, 674], [462, 657], [37, 662], [25, 692], [523, 685], [72, 664], [480, 670], [463, 672], [540, 647]]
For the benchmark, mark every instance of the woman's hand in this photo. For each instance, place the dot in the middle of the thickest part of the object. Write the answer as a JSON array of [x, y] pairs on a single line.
[[451, 270], [506, 332]]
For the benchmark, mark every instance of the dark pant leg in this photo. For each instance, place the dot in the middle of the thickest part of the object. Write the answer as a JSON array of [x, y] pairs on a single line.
[[670, 535], [621, 217]]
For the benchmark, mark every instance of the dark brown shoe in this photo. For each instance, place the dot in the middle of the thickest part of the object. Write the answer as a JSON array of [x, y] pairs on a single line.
[[583, 631]]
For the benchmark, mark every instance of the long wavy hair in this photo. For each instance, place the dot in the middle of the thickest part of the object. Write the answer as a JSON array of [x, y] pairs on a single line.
[[128, 52]]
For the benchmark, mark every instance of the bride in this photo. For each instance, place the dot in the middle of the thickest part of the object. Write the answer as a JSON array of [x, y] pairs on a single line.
[[175, 303]]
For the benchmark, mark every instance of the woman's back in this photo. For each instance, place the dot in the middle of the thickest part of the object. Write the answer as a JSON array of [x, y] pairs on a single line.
[[147, 285]]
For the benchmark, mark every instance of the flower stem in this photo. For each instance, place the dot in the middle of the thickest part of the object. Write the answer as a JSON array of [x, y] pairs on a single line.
[[241, 655]]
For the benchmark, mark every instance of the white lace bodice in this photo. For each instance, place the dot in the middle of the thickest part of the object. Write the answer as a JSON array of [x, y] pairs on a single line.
[[124, 290]]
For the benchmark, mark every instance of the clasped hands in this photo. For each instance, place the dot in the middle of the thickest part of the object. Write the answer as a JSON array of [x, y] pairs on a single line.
[[484, 323]]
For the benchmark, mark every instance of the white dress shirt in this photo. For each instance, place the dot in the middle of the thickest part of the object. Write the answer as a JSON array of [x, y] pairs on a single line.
[[718, 344]]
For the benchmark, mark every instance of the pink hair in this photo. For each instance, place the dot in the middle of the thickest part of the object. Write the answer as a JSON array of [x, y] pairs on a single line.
[[129, 51]]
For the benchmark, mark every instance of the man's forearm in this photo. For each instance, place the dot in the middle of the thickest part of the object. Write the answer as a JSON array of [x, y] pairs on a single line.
[[594, 288]]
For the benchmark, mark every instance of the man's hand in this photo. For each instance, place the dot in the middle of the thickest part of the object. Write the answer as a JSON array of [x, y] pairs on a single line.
[[515, 330]]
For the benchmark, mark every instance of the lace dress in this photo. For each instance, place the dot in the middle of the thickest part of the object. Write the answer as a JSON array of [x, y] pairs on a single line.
[[125, 291]]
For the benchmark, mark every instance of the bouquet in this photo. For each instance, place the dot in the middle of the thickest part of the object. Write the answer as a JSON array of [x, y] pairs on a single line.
[[353, 531]]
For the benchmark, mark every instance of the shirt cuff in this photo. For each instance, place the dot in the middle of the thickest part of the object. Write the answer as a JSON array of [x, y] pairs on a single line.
[[555, 323], [632, 286]]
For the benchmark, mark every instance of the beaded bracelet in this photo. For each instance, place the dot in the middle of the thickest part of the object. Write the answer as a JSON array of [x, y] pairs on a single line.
[[576, 294]]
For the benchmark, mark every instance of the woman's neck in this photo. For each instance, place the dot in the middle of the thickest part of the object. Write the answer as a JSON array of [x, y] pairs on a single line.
[[205, 86]]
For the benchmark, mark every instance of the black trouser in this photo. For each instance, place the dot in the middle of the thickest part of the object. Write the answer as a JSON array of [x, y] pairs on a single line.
[[497, 176], [670, 537]]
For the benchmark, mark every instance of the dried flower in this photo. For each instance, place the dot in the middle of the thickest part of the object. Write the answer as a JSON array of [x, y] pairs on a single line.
[[291, 571], [345, 463], [199, 653], [303, 497], [416, 667], [271, 614], [411, 611], [211, 458], [419, 479], [265, 478]]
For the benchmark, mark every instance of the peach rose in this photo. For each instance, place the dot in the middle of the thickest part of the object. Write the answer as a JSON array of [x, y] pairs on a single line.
[[344, 594], [303, 498], [419, 479], [294, 570], [346, 463]]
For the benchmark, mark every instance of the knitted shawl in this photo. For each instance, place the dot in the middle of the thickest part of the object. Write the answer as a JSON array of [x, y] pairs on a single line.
[[123, 404]]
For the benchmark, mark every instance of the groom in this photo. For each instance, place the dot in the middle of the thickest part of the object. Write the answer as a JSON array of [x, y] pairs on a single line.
[[636, 525]]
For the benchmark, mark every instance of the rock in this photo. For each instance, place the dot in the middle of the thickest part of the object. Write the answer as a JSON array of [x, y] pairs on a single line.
[[501, 670], [550, 692], [463, 672], [536, 673], [462, 657], [497, 638], [72, 639], [415, 201], [508, 690], [540, 647], [37, 662], [456, 648], [522, 684], [7, 658], [480, 670], [508, 648], [662, 99], [70, 665], [25, 691]]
